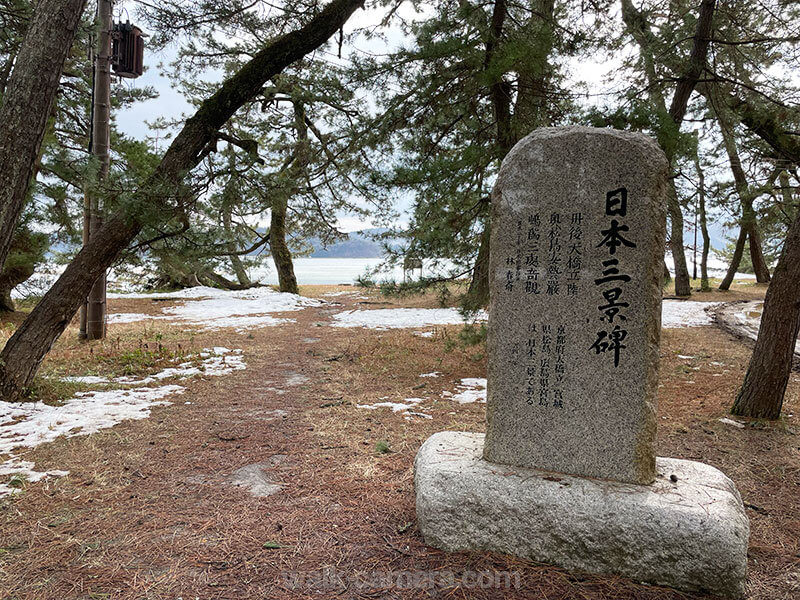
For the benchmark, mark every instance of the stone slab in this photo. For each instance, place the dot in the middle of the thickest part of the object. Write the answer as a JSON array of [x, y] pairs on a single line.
[[576, 267], [690, 534]]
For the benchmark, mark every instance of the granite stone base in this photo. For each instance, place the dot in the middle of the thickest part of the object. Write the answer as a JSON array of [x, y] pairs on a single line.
[[687, 530]]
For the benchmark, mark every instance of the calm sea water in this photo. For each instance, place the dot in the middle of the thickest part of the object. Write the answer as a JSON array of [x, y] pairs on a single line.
[[324, 271]]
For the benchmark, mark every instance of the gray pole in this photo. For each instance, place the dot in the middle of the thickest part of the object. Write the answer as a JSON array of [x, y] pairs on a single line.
[[101, 124], [694, 257]]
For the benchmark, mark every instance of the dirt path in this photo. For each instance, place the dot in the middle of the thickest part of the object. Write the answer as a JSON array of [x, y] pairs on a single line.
[[149, 509]]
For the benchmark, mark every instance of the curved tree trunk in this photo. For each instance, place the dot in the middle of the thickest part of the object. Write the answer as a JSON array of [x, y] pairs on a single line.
[[9, 279], [636, 22], [736, 259], [791, 207], [478, 293], [287, 282], [761, 394], [701, 204], [24, 352], [27, 104], [280, 250], [683, 286], [748, 221], [230, 196], [760, 267]]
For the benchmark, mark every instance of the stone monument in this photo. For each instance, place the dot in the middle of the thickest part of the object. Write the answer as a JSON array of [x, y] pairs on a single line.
[[566, 473]]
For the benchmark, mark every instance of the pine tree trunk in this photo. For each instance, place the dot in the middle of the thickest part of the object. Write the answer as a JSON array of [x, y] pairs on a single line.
[[230, 196], [701, 202], [636, 22], [760, 267], [24, 352], [683, 285], [736, 259], [761, 394], [279, 249], [238, 269], [27, 104], [11, 277], [748, 222], [478, 293], [791, 207]]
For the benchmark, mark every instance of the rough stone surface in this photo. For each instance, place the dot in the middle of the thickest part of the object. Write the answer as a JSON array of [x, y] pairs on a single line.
[[563, 395], [689, 534]]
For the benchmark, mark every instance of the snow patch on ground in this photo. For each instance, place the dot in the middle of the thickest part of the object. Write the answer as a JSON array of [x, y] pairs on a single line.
[[431, 374], [747, 319], [216, 361], [210, 308], [87, 379], [405, 407], [130, 317], [399, 318], [409, 415], [717, 267], [675, 313], [24, 469], [686, 313], [469, 390], [26, 425], [344, 293]]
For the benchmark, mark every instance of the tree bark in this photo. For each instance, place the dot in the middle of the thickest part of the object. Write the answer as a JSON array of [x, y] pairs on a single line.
[[701, 202], [27, 104], [760, 267], [790, 205], [478, 293], [535, 71], [287, 282], [764, 387], [23, 354], [236, 263], [736, 259], [761, 394], [765, 124], [748, 221], [667, 134], [10, 278], [683, 286], [281, 254], [230, 196]]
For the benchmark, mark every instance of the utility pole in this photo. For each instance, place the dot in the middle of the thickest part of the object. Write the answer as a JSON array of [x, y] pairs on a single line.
[[95, 325], [694, 257]]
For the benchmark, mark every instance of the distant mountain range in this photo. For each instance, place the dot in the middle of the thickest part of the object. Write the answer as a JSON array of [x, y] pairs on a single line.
[[359, 244]]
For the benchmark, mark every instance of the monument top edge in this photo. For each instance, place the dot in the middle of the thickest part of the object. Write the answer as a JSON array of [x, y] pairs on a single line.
[[633, 139]]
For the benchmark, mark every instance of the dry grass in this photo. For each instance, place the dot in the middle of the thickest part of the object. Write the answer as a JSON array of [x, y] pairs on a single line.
[[741, 289], [146, 511]]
